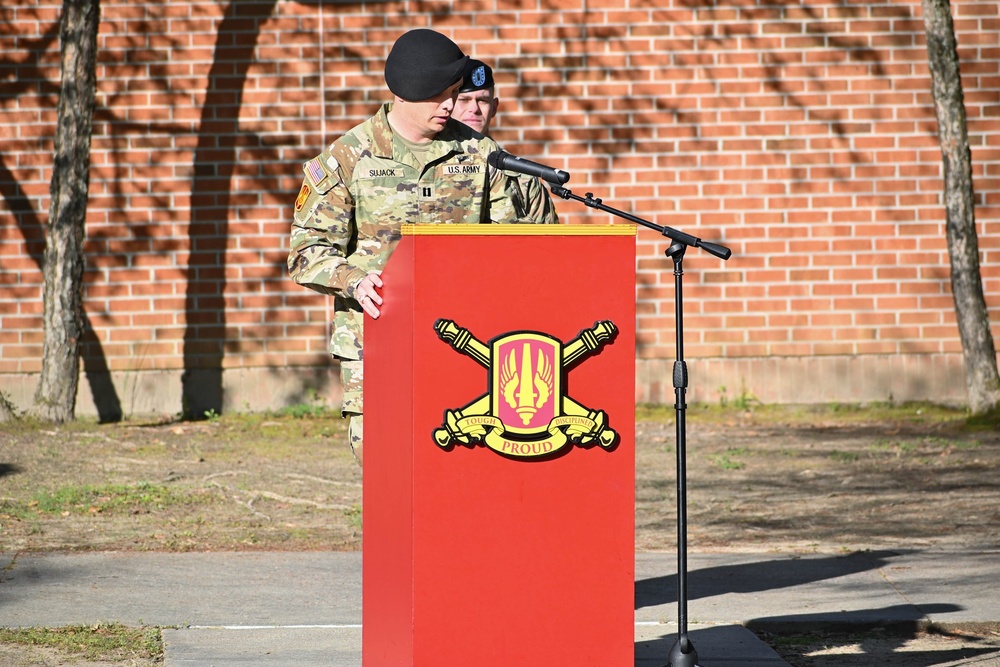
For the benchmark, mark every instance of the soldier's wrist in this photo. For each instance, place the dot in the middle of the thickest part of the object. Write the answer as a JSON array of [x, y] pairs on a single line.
[[354, 279]]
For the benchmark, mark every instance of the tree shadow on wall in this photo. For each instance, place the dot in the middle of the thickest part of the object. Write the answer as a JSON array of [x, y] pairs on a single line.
[[708, 46], [95, 365], [215, 160], [211, 192], [719, 62], [214, 166], [30, 80]]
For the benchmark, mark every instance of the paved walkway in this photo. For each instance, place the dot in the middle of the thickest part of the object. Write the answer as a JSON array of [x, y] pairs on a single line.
[[304, 609]]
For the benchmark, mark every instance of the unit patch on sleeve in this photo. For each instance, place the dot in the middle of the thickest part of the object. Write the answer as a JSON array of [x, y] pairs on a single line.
[[300, 201]]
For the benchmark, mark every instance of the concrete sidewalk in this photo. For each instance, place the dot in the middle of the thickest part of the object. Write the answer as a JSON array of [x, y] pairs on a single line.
[[304, 609]]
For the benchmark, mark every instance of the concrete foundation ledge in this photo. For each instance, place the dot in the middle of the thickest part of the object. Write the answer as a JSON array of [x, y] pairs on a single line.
[[935, 378]]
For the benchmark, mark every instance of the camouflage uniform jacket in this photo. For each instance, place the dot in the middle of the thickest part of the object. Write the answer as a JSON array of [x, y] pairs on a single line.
[[538, 203], [359, 191]]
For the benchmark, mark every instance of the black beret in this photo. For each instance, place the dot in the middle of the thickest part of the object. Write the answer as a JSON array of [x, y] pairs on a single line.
[[478, 76], [422, 64]]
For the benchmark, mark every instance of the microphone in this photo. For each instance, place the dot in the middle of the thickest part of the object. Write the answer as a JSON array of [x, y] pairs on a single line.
[[505, 161]]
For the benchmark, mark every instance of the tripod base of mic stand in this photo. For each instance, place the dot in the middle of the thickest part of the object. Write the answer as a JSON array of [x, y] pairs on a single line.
[[682, 654]]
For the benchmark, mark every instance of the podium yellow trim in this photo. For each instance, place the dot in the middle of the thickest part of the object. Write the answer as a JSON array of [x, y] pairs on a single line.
[[519, 230]]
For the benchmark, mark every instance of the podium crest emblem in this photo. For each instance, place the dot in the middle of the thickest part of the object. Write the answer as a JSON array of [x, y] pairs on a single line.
[[525, 413]]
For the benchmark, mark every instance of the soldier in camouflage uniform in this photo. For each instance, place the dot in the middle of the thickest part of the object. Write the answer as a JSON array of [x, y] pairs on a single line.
[[409, 163], [476, 106]]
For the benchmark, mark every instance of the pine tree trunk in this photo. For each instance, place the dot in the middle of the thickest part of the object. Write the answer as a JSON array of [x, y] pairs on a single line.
[[981, 379], [55, 398]]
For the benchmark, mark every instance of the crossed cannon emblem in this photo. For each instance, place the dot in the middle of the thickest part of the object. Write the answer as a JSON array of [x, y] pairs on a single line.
[[525, 413]]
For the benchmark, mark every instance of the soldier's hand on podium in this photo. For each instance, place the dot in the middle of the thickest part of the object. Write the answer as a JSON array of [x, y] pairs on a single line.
[[366, 294]]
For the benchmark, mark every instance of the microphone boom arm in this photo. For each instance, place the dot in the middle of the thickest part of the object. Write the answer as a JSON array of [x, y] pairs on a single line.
[[720, 251]]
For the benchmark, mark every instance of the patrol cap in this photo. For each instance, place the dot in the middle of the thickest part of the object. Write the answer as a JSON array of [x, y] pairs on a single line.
[[478, 76], [422, 64]]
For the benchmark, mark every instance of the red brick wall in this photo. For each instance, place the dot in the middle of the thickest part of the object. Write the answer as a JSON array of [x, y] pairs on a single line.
[[800, 135]]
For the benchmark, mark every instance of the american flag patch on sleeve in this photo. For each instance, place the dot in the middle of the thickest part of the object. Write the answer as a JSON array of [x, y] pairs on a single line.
[[314, 168]]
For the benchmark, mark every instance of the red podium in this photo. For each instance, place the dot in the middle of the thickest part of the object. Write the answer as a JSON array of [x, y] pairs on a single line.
[[499, 479]]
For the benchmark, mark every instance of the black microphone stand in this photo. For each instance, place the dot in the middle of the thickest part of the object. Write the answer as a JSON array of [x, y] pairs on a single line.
[[682, 654]]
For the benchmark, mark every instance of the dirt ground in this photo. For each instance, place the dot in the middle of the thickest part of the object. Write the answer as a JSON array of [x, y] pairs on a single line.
[[792, 479], [15, 655]]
